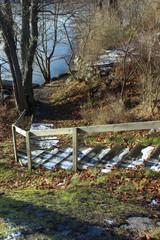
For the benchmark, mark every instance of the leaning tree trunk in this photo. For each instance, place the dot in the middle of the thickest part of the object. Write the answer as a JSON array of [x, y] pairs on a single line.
[[6, 23]]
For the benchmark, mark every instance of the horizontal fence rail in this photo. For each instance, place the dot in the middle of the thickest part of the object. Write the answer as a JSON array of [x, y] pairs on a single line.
[[20, 131], [120, 127], [74, 132], [50, 132]]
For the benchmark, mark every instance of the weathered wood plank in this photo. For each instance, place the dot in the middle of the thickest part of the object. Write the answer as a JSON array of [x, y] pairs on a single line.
[[40, 144], [75, 149], [20, 118], [112, 158], [115, 151], [101, 128], [14, 143], [51, 132], [46, 156], [120, 127], [21, 131], [131, 156], [38, 156], [28, 145]]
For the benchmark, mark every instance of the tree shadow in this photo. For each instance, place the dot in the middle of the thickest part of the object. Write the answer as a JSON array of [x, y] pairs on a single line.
[[30, 220], [49, 112]]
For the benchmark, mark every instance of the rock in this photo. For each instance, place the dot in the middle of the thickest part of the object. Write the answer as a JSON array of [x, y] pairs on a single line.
[[138, 223], [65, 232], [93, 231]]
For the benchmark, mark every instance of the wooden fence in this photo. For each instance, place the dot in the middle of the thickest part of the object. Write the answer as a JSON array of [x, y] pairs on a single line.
[[74, 132]]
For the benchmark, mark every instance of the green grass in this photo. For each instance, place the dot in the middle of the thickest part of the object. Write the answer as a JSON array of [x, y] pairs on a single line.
[[121, 138], [90, 197], [32, 209]]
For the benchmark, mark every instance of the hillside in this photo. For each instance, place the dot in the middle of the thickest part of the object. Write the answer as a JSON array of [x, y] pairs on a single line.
[[122, 204]]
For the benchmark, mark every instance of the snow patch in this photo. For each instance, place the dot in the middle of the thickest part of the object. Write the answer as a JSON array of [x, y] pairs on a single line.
[[83, 153], [95, 159], [45, 156], [55, 160], [153, 202], [145, 154], [41, 126], [67, 164], [118, 158], [48, 143], [156, 167], [106, 170], [103, 153]]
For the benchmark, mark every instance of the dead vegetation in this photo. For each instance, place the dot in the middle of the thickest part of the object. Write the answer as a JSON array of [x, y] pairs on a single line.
[[130, 91]]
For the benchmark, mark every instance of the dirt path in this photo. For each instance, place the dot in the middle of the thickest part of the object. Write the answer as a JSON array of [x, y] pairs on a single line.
[[44, 111], [47, 112]]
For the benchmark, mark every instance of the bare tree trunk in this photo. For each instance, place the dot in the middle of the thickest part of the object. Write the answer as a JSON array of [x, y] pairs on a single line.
[[44, 56], [25, 13], [30, 52], [6, 22], [22, 77]]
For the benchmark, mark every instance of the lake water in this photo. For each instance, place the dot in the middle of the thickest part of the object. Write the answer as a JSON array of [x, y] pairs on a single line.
[[58, 65]]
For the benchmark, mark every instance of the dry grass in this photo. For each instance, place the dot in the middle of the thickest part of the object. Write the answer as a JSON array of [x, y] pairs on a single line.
[[8, 116], [103, 32], [113, 111]]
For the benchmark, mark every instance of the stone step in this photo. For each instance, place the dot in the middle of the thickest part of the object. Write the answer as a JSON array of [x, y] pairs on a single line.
[[68, 162], [136, 157], [45, 153], [22, 155], [93, 161], [46, 156], [38, 156], [112, 158], [62, 155], [154, 161], [90, 159]]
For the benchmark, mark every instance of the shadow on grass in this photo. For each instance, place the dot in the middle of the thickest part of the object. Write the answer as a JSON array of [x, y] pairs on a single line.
[[31, 221]]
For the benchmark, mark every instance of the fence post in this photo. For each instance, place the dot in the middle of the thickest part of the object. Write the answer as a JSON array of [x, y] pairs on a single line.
[[14, 143], [75, 149], [23, 122], [28, 147]]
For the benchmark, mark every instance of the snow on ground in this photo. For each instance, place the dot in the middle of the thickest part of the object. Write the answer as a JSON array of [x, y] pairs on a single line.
[[34, 154], [68, 163], [156, 167], [111, 57], [115, 161], [45, 142], [103, 153], [45, 156], [41, 126], [145, 154], [55, 160], [153, 202], [95, 159], [83, 153]]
